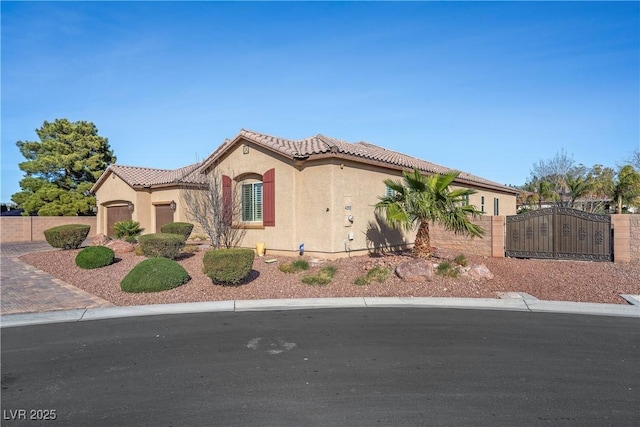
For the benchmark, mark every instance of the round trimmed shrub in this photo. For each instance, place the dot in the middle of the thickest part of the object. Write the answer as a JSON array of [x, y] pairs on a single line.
[[161, 245], [182, 228], [68, 236], [95, 257], [228, 266], [155, 275]]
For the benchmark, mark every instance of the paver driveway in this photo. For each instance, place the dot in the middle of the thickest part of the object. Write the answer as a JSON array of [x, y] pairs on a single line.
[[25, 289]]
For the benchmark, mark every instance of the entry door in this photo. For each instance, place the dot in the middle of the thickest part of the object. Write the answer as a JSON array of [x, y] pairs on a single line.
[[116, 214], [164, 215]]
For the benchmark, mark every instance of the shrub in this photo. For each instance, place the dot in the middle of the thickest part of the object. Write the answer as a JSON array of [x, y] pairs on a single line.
[[228, 266], [361, 281], [95, 257], [127, 230], [190, 249], [68, 236], [182, 228], [377, 273], [161, 245], [460, 260], [446, 269], [294, 267], [323, 277], [155, 275]]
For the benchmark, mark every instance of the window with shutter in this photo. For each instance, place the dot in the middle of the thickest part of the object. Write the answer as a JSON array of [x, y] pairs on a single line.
[[252, 202]]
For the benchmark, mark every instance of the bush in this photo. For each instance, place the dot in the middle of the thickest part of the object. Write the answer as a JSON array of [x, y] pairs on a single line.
[[377, 273], [68, 236], [182, 228], [161, 245], [460, 260], [155, 275], [127, 230], [361, 281], [294, 267], [323, 277], [95, 257], [446, 269], [190, 249], [228, 266]]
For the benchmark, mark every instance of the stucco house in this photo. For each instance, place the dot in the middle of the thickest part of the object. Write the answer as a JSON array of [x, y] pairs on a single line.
[[318, 191]]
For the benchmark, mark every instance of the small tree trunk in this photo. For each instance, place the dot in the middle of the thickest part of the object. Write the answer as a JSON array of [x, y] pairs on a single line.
[[619, 210], [422, 245]]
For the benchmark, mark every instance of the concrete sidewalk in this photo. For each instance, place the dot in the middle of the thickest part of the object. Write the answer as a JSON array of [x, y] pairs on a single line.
[[537, 306], [31, 296]]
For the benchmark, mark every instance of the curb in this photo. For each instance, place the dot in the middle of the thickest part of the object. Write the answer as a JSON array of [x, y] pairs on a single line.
[[514, 304]]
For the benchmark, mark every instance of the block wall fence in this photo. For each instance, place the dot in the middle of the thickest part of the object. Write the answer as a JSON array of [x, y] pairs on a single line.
[[626, 238], [31, 228]]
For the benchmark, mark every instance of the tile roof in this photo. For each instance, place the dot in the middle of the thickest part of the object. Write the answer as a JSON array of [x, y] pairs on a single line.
[[137, 176], [361, 151]]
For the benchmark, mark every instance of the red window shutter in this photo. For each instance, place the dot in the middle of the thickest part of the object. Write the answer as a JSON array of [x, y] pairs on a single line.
[[227, 200], [269, 198]]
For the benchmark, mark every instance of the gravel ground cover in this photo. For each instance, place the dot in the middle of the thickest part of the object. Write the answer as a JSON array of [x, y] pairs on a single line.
[[580, 281]]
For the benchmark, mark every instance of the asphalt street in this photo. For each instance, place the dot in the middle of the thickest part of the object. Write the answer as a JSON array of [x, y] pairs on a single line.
[[337, 367]]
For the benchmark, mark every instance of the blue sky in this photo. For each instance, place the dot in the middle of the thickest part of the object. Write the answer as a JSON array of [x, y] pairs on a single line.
[[489, 88]]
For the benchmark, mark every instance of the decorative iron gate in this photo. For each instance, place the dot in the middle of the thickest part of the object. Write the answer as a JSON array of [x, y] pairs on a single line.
[[559, 233]]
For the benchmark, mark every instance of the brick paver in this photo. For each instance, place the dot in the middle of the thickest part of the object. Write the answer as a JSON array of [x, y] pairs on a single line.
[[25, 289]]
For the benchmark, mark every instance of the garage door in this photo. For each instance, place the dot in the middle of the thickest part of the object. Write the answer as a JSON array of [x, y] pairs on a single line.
[[116, 214], [164, 215]]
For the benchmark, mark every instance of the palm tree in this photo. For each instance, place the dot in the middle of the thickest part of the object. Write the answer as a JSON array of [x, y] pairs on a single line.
[[545, 192], [578, 187], [627, 187], [423, 200]]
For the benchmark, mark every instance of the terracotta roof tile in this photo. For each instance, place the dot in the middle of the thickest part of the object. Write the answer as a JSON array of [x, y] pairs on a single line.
[[360, 151], [137, 176]]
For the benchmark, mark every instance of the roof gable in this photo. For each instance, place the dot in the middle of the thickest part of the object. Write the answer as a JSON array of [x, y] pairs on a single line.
[[142, 177]]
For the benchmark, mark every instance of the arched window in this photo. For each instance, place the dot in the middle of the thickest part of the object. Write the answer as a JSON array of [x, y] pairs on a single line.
[[257, 194], [252, 201]]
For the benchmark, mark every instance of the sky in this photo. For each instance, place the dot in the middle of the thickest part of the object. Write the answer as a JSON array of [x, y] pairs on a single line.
[[488, 88]]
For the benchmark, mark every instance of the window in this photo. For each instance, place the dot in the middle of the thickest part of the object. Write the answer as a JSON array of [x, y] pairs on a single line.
[[258, 198], [465, 200], [482, 204], [252, 202], [496, 207]]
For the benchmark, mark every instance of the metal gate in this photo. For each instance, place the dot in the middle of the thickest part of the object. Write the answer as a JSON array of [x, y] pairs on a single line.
[[559, 233]]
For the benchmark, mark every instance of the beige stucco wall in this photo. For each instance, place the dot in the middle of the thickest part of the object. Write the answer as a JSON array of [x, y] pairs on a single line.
[[311, 200], [256, 160], [114, 191]]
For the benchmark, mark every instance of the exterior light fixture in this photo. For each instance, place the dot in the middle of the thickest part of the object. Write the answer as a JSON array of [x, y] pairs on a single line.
[[130, 206], [172, 205], [95, 209]]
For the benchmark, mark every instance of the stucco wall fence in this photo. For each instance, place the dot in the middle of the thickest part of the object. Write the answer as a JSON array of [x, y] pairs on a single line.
[[31, 228]]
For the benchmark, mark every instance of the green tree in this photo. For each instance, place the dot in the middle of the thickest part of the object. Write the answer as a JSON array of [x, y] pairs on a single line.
[[421, 200], [626, 189], [61, 168], [579, 184], [543, 191]]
